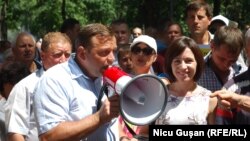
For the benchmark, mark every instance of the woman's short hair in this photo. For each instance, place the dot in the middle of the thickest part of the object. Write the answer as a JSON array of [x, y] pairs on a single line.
[[176, 48]]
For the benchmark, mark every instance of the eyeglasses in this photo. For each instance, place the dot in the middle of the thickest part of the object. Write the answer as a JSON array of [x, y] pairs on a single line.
[[146, 51]]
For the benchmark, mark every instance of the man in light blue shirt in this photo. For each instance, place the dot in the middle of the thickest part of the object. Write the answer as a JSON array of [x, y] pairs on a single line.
[[66, 96], [19, 111]]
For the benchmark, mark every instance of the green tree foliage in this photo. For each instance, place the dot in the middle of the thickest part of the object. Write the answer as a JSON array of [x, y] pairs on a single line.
[[42, 16], [237, 10], [100, 11]]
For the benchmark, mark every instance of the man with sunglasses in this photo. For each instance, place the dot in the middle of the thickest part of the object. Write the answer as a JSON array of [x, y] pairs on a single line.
[[20, 122]]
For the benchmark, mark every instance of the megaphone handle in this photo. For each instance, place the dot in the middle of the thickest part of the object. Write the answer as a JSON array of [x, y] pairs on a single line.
[[104, 90], [138, 137]]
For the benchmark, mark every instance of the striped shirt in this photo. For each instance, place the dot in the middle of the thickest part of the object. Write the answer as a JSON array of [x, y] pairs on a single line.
[[240, 85]]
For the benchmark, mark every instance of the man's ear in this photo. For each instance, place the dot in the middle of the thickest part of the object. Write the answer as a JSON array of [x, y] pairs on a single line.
[[210, 20], [42, 55], [155, 57], [82, 52]]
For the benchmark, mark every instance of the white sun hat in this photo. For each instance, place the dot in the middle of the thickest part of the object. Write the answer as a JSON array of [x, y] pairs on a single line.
[[221, 18], [150, 41]]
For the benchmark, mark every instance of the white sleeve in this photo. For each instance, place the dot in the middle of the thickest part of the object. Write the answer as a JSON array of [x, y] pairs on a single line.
[[17, 110]]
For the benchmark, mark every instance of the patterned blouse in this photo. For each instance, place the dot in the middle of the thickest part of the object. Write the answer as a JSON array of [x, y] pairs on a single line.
[[188, 110]]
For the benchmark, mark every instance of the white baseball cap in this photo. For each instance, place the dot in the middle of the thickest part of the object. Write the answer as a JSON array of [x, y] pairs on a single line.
[[221, 18], [146, 40]]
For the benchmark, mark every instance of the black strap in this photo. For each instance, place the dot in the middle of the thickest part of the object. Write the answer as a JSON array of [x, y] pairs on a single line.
[[129, 128], [138, 137], [104, 90]]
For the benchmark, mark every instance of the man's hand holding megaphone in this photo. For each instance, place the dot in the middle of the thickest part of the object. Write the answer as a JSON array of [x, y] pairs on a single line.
[[109, 109]]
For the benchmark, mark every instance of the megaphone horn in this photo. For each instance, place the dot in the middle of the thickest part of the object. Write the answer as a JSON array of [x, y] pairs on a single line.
[[118, 80], [142, 98]]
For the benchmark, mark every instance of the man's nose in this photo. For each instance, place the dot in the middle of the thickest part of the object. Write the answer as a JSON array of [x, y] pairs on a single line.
[[111, 57], [196, 19], [63, 58], [28, 47]]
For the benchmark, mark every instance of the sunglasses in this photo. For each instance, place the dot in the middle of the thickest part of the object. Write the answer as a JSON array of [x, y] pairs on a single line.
[[145, 51]]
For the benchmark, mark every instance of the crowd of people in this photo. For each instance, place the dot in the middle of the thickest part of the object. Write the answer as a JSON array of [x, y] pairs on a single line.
[[50, 87]]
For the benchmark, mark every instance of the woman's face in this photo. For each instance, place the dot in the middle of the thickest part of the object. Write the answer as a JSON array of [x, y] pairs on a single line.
[[184, 66], [142, 56]]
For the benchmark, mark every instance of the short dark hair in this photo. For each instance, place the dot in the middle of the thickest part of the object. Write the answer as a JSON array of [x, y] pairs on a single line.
[[88, 31], [170, 23], [124, 48], [118, 22], [4, 45], [231, 36], [196, 5], [176, 48], [68, 24], [12, 72]]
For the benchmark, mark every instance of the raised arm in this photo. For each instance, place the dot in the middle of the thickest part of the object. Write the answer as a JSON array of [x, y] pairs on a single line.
[[76, 130], [233, 100]]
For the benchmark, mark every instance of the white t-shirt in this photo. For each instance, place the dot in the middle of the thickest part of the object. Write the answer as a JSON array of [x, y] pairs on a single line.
[[2, 104], [19, 111]]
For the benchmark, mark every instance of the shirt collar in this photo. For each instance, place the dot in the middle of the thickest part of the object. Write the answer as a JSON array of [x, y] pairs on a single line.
[[75, 69]]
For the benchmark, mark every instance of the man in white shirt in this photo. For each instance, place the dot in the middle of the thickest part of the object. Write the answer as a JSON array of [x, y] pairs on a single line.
[[19, 113]]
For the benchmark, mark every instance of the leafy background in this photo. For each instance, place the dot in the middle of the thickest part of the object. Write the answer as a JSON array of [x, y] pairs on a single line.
[[42, 16]]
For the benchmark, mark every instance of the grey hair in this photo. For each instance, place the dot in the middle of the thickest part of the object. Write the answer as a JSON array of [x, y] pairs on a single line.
[[21, 34]]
